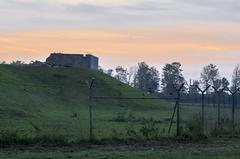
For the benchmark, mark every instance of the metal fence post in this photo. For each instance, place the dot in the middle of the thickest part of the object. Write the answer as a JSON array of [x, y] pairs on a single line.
[[218, 93], [177, 107], [90, 85], [233, 93], [203, 102], [178, 114]]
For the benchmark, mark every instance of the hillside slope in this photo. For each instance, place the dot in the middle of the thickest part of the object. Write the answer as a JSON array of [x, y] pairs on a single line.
[[54, 100]]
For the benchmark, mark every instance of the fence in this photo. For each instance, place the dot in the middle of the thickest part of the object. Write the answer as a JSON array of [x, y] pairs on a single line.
[[94, 109], [215, 109]]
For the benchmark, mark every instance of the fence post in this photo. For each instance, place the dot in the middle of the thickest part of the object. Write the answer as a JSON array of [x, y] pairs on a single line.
[[218, 93], [90, 85], [233, 93], [203, 102], [178, 114], [177, 107], [214, 100], [174, 110]]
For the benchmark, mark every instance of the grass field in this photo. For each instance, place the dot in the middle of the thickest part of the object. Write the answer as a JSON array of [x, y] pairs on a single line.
[[43, 101], [53, 102], [44, 115], [214, 149]]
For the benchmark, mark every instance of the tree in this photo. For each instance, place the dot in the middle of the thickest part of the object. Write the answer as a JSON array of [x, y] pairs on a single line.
[[225, 82], [193, 87], [210, 75], [100, 69], [17, 62], [110, 72], [236, 78], [172, 78], [3, 62], [217, 84], [121, 74], [131, 75], [147, 78], [36, 63]]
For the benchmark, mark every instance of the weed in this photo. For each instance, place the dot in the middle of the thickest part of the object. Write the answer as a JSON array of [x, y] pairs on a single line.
[[225, 128], [193, 129], [147, 131]]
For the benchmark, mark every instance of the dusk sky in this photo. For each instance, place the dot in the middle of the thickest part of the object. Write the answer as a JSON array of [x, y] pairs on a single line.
[[125, 32]]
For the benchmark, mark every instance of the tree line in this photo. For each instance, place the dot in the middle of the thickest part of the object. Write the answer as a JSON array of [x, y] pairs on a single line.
[[148, 78]]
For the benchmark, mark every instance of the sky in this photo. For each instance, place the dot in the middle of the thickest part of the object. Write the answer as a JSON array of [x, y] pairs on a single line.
[[125, 32]]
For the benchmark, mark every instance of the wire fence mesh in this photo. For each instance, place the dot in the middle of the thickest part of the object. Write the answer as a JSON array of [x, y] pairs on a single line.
[[116, 113]]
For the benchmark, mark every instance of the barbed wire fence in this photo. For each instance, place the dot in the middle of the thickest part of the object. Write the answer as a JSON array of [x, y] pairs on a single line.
[[197, 101], [185, 104]]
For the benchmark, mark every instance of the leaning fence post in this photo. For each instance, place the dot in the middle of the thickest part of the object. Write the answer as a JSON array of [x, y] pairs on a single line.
[[178, 115], [90, 85], [177, 107], [203, 102]]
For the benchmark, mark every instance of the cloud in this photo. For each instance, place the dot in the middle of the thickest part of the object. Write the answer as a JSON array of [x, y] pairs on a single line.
[[16, 14], [156, 31], [203, 43]]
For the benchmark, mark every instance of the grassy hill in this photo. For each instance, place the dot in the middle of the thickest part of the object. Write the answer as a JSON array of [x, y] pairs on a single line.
[[53, 101]]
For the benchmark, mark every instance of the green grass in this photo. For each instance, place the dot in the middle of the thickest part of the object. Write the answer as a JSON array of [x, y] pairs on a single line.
[[41, 102], [53, 101], [41, 106], [215, 149]]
